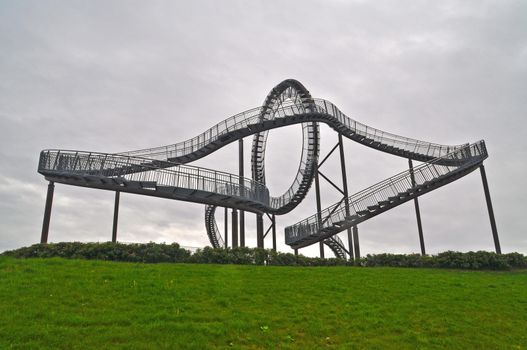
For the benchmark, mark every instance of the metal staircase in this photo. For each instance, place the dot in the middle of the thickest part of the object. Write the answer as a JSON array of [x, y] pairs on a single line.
[[387, 194], [213, 232], [337, 246], [162, 171]]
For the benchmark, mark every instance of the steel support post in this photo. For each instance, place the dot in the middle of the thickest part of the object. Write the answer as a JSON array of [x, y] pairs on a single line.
[[226, 228], [274, 232], [417, 211], [491, 211], [242, 190], [47, 213], [296, 252], [319, 211], [234, 228], [115, 216], [345, 190], [259, 231], [356, 241]]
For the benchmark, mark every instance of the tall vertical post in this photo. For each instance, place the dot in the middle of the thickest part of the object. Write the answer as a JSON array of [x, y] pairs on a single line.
[[356, 241], [226, 228], [234, 228], [296, 252], [47, 213], [259, 231], [115, 216], [417, 211], [274, 232], [241, 175], [345, 190], [319, 210], [491, 211]]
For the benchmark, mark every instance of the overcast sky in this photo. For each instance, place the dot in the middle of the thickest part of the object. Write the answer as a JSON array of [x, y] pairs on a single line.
[[112, 76]]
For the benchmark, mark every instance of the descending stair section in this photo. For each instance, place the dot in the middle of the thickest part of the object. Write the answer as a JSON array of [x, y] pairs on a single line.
[[336, 246], [212, 228], [387, 194]]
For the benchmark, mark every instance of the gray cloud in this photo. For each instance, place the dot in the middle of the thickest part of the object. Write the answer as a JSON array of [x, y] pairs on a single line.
[[126, 75]]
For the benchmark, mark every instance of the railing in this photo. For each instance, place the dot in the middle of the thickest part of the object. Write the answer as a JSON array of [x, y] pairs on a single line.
[[251, 117], [137, 169], [391, 187], [322, 107]]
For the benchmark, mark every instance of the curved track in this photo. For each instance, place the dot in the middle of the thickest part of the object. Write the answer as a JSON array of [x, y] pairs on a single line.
[[163, 172]]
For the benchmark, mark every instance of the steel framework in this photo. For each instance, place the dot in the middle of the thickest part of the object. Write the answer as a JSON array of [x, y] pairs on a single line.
[[165, 172]]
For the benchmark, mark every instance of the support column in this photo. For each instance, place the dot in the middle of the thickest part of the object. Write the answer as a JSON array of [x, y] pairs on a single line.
[[417, 211], [274, 232], [240, 174], [259, 231], [345, 190], [296, 252], [356, 241], [47, 213], [115, 216], [319, 211], [226, 235], [234, 228], [491, 211]]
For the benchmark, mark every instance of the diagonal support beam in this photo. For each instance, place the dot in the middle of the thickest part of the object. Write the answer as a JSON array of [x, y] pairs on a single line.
[[327, 156], [330, 182]]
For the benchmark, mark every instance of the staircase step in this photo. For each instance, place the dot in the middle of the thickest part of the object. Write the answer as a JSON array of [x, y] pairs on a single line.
[[166, 189], [373, 207], [132, 184], [148, 184]]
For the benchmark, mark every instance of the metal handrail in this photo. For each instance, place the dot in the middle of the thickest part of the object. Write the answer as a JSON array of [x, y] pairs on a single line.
[[244, 119]]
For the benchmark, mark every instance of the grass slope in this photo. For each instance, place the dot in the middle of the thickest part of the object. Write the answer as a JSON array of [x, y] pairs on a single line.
[[78, 304]]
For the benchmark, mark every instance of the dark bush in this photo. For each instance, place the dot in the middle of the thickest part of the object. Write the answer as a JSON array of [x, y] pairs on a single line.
[[156, 253], [150, 252]]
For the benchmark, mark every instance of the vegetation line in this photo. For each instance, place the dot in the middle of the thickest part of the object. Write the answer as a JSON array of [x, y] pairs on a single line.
[[159, 253]]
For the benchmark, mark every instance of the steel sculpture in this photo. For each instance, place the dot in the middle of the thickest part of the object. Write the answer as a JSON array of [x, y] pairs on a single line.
[[165, 172]]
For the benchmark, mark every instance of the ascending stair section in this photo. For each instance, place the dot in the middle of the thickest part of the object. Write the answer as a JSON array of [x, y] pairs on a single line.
[[386, 194]]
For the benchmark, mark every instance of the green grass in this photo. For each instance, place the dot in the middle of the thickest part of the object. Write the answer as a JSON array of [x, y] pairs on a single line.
[[79, 304]]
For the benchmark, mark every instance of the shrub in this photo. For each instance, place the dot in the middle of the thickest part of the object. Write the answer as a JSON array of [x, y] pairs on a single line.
[[156, 253], [150, 252]]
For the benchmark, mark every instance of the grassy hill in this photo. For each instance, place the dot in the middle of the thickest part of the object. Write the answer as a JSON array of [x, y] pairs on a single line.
[[78, 304]]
